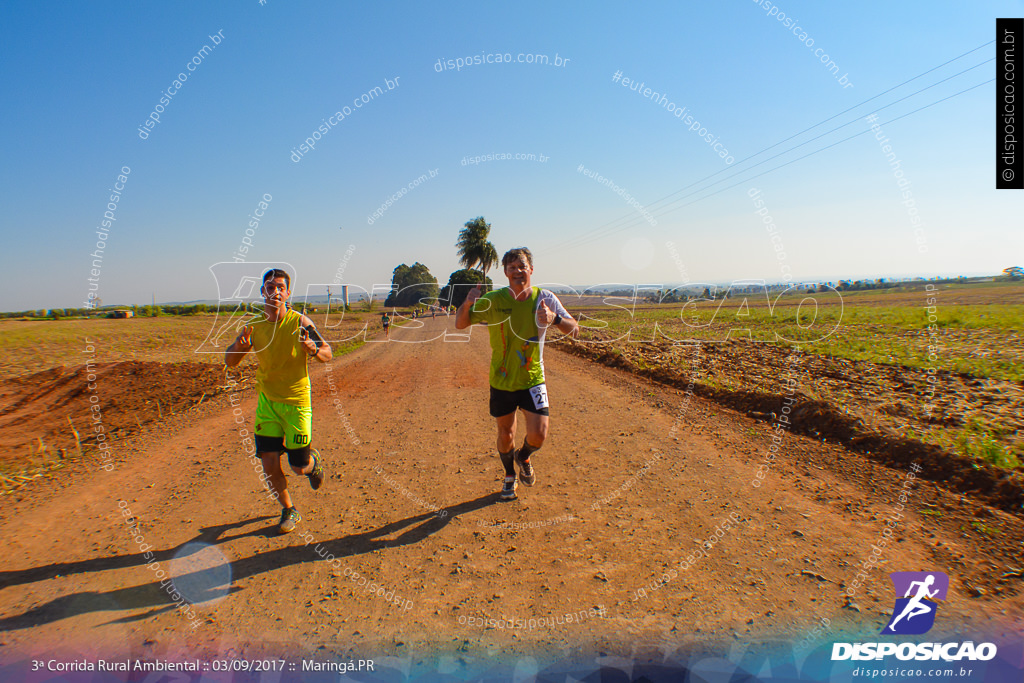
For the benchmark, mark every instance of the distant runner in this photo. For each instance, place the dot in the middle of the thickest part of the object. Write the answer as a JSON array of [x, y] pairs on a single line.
[[386, 322], [283, 341], [518, 318]]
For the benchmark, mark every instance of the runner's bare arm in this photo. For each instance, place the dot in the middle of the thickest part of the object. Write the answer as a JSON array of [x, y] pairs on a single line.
[[462, 315], [312, 342], [569, 326], [241, 346]]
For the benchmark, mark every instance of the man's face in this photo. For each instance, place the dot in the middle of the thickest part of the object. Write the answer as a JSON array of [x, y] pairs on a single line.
[[518, 272], [276, 290]]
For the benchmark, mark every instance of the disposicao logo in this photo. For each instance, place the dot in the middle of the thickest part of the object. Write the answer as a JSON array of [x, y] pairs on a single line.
[[914, 613]]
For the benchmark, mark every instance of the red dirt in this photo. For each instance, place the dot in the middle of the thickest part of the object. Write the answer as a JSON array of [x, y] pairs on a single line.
[[633, 477], [48, 407], [867, 407]]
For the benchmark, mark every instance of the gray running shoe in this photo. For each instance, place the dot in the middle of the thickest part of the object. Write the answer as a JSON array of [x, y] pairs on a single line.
[[508, 489], [526, 474], [289, 517], [316, 477]]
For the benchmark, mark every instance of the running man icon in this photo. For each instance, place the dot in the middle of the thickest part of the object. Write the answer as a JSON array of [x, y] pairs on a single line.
[[917, 611]]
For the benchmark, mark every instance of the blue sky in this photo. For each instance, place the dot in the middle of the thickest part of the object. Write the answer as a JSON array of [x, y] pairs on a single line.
[[80, 79]]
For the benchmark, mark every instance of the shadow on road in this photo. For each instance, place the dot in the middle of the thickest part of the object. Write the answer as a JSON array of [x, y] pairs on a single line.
[[153, 595], [210, 535]]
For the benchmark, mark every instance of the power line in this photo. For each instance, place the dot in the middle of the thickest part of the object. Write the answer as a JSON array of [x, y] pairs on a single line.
[[633, 217], [653, 204], [775, 156], [590, 239]]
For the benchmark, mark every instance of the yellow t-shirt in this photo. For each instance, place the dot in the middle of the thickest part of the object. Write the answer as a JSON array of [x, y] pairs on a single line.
[[282, 375]]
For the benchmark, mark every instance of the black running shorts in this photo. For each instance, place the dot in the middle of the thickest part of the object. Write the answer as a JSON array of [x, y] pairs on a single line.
[[532, 400]]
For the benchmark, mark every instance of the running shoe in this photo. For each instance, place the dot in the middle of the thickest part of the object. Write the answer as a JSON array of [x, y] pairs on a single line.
[[289, 517], [526, 474], [316, 477], [508, 489]]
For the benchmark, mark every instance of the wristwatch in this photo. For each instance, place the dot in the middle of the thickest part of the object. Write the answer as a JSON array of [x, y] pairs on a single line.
[[557, 319]]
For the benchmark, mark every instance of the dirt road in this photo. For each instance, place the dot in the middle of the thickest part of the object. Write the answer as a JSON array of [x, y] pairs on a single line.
[[633, 480]]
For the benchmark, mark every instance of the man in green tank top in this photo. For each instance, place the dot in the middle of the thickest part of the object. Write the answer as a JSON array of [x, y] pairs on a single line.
[[283, 341], [518, 318]]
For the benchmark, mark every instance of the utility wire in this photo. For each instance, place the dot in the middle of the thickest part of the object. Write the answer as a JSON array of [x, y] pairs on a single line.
[[633, 216], [590, 239], [634, 219]]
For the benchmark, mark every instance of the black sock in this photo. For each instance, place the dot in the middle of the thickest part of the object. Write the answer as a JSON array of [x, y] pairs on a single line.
[[527, 450], [506, 460]]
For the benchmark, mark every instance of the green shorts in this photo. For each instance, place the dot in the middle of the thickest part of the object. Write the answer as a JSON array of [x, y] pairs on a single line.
[[292, 424]]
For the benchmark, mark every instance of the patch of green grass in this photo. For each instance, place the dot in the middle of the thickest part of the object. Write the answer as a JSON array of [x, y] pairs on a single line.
[[976, 441], [341, 348], [34, 345], [985, 529], [979, 340], [932, 513]]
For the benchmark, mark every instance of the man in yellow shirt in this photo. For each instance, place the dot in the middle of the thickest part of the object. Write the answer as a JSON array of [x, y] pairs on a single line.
[[283, 341], [518, 318]]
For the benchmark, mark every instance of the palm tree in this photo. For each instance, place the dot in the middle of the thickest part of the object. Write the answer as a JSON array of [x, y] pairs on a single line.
[[474, 248]]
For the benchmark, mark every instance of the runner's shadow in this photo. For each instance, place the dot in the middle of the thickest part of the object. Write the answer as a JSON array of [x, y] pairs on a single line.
[[156, 610], [210, 535], [210, 580], [358, 544]]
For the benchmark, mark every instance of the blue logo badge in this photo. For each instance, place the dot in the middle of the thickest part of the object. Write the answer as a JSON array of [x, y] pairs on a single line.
[[914, 613]]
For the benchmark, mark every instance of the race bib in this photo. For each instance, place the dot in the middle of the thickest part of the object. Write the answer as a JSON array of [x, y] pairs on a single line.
[[539, 394]]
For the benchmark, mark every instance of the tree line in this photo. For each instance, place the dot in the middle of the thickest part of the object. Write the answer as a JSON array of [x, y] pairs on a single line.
[[415, 286], [146, 311]]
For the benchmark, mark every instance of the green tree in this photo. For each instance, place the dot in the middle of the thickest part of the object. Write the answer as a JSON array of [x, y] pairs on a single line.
[[459, 284], [473, 246], [410, 285]]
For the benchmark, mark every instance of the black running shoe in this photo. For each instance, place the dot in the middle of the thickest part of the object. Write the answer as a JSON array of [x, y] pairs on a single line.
[[526, 474], [316, 477], [289, 518]]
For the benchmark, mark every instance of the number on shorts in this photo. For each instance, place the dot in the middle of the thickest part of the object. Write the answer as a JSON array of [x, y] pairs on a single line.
[[539, 394]]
